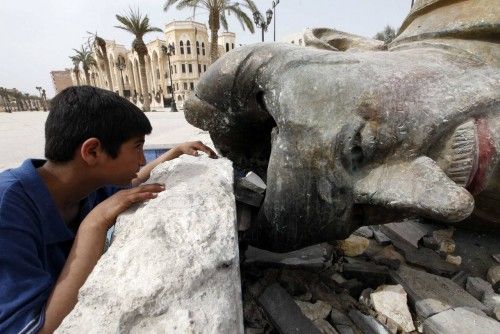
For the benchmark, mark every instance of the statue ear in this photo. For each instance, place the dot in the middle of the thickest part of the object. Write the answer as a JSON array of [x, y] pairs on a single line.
[[334, 40]]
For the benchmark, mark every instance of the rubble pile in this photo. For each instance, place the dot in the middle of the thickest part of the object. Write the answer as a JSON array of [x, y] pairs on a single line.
[[405, 277]]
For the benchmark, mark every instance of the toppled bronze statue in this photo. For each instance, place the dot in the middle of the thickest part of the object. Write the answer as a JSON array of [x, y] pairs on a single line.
[[349, 135]]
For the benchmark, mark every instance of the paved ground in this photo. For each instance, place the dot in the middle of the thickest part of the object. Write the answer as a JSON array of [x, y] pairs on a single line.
[[22, 134]]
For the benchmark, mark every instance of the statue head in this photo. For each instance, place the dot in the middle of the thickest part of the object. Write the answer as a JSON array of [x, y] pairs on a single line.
[[346, 139]]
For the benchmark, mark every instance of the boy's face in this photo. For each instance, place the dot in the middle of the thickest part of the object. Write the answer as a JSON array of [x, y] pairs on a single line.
[[130, 159]]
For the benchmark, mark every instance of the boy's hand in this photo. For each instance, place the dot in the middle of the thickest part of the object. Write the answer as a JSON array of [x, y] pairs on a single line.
[[193, 147], [104, 215]]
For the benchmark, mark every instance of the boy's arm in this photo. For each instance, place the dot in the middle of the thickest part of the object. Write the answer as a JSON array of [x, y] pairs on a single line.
[[190, 148], [87, 249]]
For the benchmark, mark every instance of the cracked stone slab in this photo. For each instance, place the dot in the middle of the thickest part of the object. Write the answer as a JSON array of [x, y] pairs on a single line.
[[173, 265]]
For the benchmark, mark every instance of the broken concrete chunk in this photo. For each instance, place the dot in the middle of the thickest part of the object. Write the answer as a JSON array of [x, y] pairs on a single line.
[[368, 272], [460, 278], [431, 294], [423, 257], [496, 257], [252, 182], [411, 230], [442, 235], [491, 300], [460, 321], [477, 287], [364, 231], [284, 313], [173, 265], [325, 327], [364, 297], [339, 318], [381, 238], [454, 259], [318, 310], [391, 301], [353, 246], [387, 322], [493, 277], [367, 324], [447, 246]]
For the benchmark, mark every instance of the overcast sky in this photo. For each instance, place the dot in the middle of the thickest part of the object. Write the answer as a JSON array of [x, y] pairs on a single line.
[[37, 36]]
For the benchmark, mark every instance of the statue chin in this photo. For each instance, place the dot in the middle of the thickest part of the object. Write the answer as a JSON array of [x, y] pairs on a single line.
[[359, 133]]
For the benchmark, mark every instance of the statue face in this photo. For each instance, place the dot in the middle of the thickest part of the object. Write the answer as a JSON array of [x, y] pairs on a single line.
[[350, 139]]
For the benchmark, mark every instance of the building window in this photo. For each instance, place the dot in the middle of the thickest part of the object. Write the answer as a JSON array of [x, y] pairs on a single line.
[[204, 68], [199, 68], [203, 48], [175, 69], [185, 85], [191, 85], [188, 47], [227, 47], [177, 86], [157, 74], [183, 66], [197, 47], [173, 50], [179, 98], [181, 43], [190, 68], [232, 46]]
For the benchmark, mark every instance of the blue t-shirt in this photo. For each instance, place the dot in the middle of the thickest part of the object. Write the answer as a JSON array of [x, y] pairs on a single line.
[[34, 245]]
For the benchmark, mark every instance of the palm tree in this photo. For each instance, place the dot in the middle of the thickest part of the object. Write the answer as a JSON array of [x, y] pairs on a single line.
[[102, 53], [76, 68], [138, 25], [84, 55], [217, 16]]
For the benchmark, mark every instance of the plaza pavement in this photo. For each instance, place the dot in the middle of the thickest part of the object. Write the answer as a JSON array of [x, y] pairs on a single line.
[[22, 134]]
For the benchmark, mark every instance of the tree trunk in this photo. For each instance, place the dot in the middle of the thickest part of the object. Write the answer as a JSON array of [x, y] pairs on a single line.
[[77, 75], [214, 24], [144, 80], [87, 77]]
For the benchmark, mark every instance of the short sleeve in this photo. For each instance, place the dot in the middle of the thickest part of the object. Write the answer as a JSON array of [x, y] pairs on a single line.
[[24, 283]]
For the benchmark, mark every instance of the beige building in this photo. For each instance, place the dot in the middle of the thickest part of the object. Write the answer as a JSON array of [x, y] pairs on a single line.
[[61, 79], [189, 61]]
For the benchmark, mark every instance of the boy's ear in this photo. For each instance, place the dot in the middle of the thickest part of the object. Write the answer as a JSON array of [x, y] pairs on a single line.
[[91, 151]]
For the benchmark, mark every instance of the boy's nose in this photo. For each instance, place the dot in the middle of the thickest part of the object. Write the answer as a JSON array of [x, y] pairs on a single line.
[[142, 158]]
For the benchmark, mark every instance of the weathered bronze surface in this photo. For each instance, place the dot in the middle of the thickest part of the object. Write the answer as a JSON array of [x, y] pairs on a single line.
[[360, 136]]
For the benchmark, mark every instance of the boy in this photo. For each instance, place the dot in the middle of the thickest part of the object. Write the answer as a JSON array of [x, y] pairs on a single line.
[[54, 214]]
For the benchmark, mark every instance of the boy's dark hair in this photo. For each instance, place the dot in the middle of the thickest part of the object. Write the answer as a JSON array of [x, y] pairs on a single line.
[[82, 112]]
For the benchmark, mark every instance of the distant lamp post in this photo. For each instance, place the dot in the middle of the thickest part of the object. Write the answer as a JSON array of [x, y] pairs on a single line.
[[120, 64], [260, 22], [168, 51], [275, 3]]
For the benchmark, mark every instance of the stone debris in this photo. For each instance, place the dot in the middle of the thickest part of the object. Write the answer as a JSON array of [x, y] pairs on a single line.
[[496, 257], [324, 327], [478, 287], [460, 321], [173, 264], [367, 324], [431, 294], [493, 277], [383, 289], [454, 259], [391, 301], [253, 182], [314, 311], [353, 246], [380, 237], [364, 231], [284, 313]]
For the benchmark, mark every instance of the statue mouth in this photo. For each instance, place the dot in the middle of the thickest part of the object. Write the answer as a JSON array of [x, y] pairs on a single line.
[[467, 154]]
